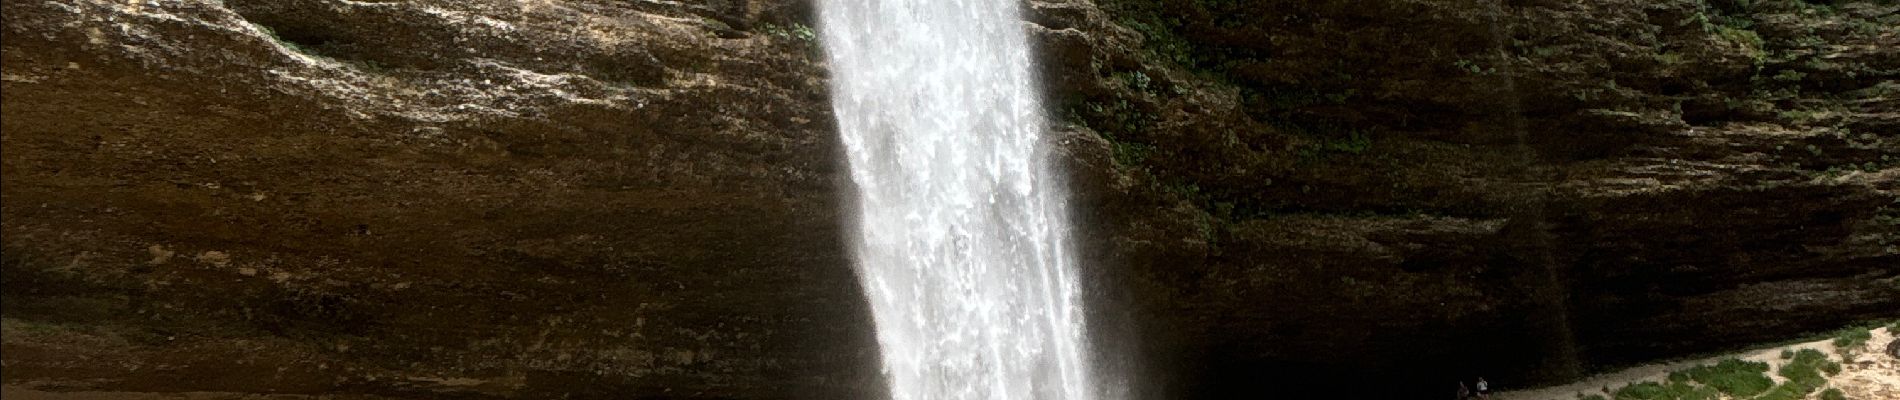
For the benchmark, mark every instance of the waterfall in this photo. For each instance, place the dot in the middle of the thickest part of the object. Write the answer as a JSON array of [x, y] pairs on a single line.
[[963, 247]]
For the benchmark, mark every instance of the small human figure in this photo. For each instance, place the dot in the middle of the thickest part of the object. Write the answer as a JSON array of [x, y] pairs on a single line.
[[1464, 392], [1484, 388]]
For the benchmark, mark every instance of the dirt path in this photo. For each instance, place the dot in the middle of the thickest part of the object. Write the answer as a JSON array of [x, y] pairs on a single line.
[[1867, 374]]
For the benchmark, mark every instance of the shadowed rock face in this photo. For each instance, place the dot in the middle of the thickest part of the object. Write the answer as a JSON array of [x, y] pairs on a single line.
[[527, 200], [1310, 197], [611, 199]]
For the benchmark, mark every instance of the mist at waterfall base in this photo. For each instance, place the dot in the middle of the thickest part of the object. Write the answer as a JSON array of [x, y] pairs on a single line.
[[963, 239]]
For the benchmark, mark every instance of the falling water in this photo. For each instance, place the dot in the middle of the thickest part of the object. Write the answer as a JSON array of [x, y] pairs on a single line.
[[963, 238]]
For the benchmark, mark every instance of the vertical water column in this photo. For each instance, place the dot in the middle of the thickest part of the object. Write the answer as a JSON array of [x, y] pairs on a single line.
[[963, 249]]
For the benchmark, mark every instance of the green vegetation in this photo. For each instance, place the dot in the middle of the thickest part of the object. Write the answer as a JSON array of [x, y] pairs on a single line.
[[1863, 27], [1783, 392], [1157, 27], [1166, 28], [1736, 27], [1734, 377], [1591, 397], [1804, 372], [1324, 114], [1119, 122], [1642, 391], [1889, 216], [1851, 338], [1138, 81], [1833, 394], [1750, 41], [1670, 391]]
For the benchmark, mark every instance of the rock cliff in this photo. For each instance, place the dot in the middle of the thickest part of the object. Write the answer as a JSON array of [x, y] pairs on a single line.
[[596, 198], [1308, 196], [530, 199]]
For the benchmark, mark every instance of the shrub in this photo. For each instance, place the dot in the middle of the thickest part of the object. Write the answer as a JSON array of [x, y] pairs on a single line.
[[1833, 394], [1735, 377], [1804, 375], [1672, 391], [1831, 368], [1750, 42], [1783, 392], [1690, 392], [1852, 338], [1808, 359]]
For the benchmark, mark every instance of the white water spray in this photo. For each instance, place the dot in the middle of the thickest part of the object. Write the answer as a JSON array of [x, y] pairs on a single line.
[[963, 247]]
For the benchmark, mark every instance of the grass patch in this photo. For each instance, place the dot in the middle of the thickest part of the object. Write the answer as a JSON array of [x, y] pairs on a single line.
[[1833, 394], [1670, 391], [1783, 392], [1737, 378], [1853, 338], [1734, 377], [1804, 372]]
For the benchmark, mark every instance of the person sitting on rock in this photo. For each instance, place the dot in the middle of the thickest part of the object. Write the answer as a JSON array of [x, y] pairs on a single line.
[[1484, 388]]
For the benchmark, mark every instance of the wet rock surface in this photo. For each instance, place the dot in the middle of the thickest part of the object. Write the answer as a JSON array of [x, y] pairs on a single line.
[[610, 199]]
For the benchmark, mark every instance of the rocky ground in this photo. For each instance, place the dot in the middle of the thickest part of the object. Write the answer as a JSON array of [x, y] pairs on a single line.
[[523, 199]]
